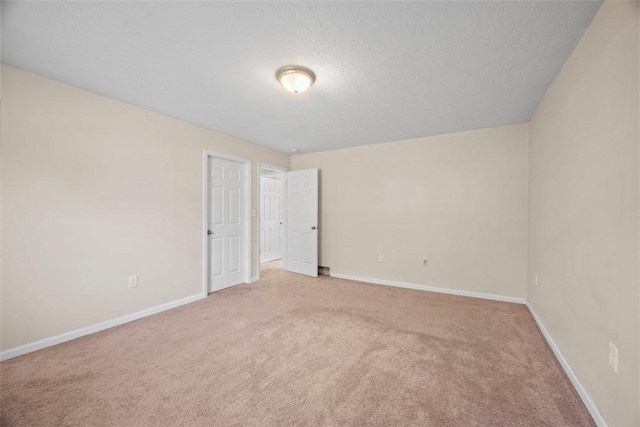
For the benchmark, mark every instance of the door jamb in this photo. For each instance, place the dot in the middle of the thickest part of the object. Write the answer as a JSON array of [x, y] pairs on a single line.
[[247, 264], [284, 214]]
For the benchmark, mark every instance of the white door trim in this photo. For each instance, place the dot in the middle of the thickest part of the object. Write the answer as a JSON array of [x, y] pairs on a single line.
[[205, 216], [284, 194]]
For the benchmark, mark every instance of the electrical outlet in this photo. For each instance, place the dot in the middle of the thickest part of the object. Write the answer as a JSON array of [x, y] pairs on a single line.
[[535, 279], [380, 258], [613, 357], [133, 281], [425, 261]]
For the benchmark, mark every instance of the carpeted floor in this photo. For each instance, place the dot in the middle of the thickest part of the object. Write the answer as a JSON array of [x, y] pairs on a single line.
[[292, 350]]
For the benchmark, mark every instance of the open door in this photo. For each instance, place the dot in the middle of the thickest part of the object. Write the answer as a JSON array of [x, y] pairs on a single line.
[[302, 222]]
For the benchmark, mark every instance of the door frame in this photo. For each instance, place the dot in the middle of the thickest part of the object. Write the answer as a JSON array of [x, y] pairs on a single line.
[[246, 256], [259, 214]]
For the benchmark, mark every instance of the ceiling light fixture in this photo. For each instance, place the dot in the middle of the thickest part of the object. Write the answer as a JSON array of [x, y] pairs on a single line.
[[295, 79]]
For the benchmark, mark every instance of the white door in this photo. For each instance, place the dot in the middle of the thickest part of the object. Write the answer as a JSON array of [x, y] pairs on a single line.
[[271, 218], [226, 229], [302, 222]]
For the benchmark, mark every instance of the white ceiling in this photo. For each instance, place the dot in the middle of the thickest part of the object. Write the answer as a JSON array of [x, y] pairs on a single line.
[[385, 70]]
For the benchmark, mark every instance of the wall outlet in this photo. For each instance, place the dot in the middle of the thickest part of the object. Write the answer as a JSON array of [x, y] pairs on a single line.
[[535, 279], [613, 357], [133, 281], [425, 261], [380, 258]]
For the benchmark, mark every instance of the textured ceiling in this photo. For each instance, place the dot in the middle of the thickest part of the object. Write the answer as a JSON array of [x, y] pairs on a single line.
[[385, 70]]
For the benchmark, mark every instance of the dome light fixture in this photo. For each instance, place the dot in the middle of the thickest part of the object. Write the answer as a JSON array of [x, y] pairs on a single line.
[[295, 78]]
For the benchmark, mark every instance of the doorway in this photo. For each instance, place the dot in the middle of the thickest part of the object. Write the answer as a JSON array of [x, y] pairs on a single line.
[[295, 247], [271, 216], [272, 205]]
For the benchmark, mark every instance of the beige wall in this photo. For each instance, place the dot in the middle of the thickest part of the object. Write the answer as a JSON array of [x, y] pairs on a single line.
[[584, 210], [459, 200], [95, 190]]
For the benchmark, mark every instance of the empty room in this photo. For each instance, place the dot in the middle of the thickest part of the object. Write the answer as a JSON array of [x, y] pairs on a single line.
[[317, 213]]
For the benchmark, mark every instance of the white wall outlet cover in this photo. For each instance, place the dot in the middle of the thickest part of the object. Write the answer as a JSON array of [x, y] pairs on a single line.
[[425, 261], [613, 357], [133, 281], [380, 258]]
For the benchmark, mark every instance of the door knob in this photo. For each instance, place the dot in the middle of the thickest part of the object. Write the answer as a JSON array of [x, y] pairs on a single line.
[[209, 232], [313, 227]]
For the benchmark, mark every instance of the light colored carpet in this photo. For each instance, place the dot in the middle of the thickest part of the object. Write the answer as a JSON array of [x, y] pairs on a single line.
[[291, 350]]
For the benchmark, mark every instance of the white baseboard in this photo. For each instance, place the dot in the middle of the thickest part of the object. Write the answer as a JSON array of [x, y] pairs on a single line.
[[68, 336], [586, 399], [254, 279], [429, 288]]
